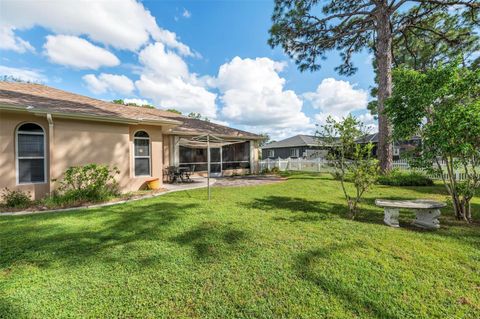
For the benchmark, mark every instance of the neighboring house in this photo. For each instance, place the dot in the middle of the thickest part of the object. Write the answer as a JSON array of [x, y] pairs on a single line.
[[43, 131], [399, 148], [298, 146]]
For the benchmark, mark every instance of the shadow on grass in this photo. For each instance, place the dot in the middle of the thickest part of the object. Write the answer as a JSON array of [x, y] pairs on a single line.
[[211, 240], [311, 211], [7, 310], [353, 299], [114, 228], [306, 175]]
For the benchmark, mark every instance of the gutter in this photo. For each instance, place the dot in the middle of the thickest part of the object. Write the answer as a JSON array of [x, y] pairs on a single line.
[[51, 140], [247, 138]]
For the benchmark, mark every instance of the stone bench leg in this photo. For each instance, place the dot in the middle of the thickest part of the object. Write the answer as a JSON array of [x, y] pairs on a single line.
[[391, 217], [427, 218]]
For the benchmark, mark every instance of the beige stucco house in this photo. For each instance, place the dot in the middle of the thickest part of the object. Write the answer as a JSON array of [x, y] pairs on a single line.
[[43, 131]]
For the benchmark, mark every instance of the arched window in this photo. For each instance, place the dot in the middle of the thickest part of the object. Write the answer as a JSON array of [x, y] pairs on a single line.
[[141, 144], [30, 140]]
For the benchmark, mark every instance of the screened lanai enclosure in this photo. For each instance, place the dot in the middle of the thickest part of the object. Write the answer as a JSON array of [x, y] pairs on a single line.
[[227, 156], [224, 156]]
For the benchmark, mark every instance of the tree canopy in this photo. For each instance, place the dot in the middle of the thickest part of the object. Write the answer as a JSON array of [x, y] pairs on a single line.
[[442, 106]]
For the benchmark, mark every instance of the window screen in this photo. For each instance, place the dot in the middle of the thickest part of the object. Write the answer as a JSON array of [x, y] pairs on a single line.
[[141, 144], [31, 153], [294, 152]]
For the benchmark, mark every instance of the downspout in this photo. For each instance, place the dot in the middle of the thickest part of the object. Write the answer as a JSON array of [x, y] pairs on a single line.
[[50, 151]]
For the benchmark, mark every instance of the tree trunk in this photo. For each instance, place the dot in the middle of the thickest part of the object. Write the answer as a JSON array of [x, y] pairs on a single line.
[[384, 69]]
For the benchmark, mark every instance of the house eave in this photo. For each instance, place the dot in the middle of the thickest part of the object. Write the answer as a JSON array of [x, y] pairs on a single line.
[[87, 117]]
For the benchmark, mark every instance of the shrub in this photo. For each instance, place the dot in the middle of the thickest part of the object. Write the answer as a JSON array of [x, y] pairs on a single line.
[[275, 170], [16, 198], [396, 178], [91, 182]]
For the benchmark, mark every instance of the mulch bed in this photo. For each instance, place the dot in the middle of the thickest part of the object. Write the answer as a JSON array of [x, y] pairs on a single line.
[[39, 207]]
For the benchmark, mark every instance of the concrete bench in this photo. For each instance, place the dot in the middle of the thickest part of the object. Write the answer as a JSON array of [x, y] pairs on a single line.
[[427, 212]]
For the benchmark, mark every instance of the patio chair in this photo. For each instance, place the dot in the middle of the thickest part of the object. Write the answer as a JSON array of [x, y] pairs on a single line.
[[187, 173], [173, 174]]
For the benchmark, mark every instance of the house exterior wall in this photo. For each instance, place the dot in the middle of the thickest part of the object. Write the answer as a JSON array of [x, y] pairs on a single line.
[[74, 142], [402, 147], [284, 152]]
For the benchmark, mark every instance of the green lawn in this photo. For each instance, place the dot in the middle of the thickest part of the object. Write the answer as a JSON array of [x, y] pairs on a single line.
[[280, 250]]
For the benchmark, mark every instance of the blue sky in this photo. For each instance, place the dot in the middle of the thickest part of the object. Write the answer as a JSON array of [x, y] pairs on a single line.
[[206, 56]]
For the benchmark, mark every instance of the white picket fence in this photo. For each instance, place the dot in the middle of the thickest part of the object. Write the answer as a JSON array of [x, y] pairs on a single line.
[[321, 165], [296, 164]]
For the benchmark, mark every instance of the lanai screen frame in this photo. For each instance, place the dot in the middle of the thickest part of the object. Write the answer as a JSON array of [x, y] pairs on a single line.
[[210, 141]]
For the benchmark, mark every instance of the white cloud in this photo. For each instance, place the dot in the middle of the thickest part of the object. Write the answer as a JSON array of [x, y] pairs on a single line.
[[166, 80], [336, 98], [122, 24], [186, 14], [162, 62], [8, 41], [108, 83], [22, 74], [254, 97], [474, 56], [369, 121], [77, 52], [137, 101]]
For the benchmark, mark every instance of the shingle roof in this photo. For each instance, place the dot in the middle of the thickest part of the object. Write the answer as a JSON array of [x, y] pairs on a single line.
[[41, 98], [295, 141]]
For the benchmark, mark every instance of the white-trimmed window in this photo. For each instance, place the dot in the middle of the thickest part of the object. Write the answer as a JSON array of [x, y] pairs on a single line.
[[141, 145], [294, 152], [271, 153], [30, 148], [396, 151]]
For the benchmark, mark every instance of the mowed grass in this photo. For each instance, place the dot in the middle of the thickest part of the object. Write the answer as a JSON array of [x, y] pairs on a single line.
[[271, 251]]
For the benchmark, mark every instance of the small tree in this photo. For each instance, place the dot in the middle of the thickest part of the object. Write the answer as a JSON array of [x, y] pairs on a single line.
[[442, 105], [174, 111], [350, 160], [198, 116], [265, 139]]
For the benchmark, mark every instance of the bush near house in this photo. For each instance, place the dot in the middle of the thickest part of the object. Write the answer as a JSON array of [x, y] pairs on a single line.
[[88, 183], [15, 198]]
